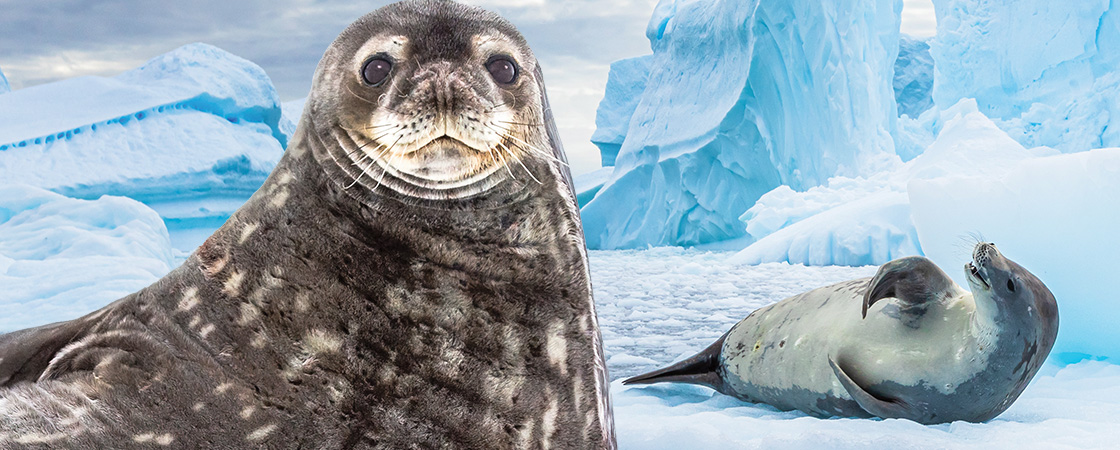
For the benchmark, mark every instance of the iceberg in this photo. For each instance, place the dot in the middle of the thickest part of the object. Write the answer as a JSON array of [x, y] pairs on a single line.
[[625, 84], [1056, 216], [4, 86], [61, 258], [865, 221], [191, 133], [1048, 73], [741, 97]]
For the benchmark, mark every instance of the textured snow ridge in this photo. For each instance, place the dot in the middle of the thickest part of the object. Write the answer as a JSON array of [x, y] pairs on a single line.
[[191, 133], [741, 96], [1048, 72], [61, 257]]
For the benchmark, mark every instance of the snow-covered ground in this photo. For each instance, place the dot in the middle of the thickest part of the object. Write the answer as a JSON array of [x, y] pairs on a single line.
[[660, 305]]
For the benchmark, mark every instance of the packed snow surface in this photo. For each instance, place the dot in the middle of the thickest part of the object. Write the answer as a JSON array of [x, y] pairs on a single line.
[[741, 97]]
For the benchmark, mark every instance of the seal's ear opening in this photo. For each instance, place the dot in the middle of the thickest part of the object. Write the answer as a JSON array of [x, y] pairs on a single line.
[[552, 133]]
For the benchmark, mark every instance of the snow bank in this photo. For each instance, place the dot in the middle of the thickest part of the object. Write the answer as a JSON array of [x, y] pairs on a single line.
[[61, 257], [1048, 72], [1072, 407], [913, 77], [861, 221], [4, 86], [742, 97], [192, 133], [1057, 216]]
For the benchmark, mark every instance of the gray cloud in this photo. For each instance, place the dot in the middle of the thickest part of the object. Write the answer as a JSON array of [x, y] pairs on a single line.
[[45, 41], [575, 41]]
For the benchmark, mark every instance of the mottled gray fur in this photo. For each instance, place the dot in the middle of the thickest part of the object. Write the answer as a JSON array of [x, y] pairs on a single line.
[[334, 312]]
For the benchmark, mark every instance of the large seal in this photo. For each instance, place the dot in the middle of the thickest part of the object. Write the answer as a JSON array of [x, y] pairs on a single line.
[[411, 275], [922, 349]]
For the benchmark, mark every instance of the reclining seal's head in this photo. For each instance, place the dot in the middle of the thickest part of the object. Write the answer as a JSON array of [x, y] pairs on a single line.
[[1000, 285], [433, 100]]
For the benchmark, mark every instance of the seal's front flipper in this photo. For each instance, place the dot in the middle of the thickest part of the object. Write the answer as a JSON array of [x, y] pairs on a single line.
[[25, 354], [887, 408], [915, 281]]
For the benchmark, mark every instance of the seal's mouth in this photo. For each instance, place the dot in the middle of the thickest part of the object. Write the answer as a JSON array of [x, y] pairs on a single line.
[[975, 276], [977, 269]]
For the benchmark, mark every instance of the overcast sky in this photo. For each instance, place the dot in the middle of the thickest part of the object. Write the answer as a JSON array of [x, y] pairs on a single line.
[[575, 40]]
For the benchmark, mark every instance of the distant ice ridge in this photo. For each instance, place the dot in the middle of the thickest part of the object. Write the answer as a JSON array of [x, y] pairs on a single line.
[[61, 257], [191, 133], [741, 97], [4, 86], [913, 77], [1048, 73]]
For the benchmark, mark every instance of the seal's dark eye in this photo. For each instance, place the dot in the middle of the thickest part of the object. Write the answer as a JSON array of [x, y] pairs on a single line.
[[376, 71], [1010, 285], [502, 69]]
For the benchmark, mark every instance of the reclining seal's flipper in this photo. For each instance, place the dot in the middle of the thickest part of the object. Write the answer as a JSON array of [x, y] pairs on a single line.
[[915, 281], [702, 369], [886, 408], [25, 354]]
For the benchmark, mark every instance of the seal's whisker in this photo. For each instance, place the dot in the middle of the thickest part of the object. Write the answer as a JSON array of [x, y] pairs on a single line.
[[497, 152], [531, 149], [387, 163], [520, 123], [522, 164]]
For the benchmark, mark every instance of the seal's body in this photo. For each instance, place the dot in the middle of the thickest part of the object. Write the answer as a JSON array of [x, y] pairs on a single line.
[[412, 274], [932, 352]]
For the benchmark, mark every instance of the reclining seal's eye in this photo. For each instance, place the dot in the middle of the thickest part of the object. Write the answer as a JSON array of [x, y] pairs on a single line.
[[1010, 285], [376, 70], [502, 69]]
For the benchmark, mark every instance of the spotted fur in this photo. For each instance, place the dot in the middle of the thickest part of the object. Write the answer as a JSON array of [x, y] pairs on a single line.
[[336, 310]]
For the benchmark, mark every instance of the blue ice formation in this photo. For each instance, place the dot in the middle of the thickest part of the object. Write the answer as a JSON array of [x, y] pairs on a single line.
[[741, 97], [61, 258], [913, 77], [191, 133], [1047, 72], [4, 86], [625, 84]]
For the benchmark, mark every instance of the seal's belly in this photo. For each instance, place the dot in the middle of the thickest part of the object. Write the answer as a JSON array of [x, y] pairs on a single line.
[[780, 354]]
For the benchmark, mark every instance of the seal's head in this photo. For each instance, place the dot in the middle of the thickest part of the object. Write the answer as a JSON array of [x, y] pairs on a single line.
[[1013, 294], [433, 100]]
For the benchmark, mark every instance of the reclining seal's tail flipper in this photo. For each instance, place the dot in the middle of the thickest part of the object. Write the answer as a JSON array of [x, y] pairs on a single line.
[[886, 408], [702, 369], [914, 281]]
